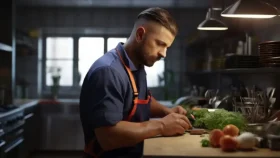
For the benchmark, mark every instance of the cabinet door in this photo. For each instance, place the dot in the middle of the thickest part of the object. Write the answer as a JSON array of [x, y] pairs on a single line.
[[62, 132], [31, 131]]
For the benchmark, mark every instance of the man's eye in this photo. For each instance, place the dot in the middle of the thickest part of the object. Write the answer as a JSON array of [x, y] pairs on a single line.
[[161, 44]]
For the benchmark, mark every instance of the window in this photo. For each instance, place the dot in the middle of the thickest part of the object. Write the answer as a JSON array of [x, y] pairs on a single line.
[[59, 54], [75, 55], [154, 72], [112, 42], [90, 49]]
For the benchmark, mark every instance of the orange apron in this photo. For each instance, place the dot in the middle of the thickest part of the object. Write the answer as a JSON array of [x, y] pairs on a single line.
[[138, 112]]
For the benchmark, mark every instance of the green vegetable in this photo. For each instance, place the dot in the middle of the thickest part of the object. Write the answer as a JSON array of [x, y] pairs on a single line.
[[188, 106], [218, 119], [205, 142], [200, 113]]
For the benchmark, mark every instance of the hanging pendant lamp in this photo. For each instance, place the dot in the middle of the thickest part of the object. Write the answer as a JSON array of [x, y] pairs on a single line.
[[211, 24], [256, 9]]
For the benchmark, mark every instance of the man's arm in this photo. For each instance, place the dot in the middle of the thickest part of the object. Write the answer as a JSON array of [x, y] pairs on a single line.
[[125, 134], [158, 110]]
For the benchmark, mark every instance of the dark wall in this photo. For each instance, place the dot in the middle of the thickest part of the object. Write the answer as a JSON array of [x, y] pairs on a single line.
[[120, 21], [101, 21]]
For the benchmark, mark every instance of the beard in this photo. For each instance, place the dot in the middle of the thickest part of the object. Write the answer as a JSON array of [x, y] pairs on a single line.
[[143, 56]]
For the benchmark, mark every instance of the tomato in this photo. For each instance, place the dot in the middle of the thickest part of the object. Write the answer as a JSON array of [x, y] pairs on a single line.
[[228, 143], [215, 136], [231, 130]]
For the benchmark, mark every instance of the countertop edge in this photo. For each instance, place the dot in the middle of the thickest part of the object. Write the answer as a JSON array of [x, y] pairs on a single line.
[[21, 106], [28, 104]]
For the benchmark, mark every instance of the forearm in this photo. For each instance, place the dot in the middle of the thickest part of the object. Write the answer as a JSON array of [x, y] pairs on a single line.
[[158, 110], [125, 134]]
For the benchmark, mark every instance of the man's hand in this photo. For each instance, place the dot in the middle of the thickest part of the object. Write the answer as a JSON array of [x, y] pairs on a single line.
[[175, 124], [179, 110], [159, 110]]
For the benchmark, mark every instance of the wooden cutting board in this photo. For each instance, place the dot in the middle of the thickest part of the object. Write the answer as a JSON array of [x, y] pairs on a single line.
[[189, 146], [197, 131]]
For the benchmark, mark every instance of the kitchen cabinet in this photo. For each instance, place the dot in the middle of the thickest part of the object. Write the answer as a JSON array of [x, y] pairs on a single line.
[[6, 23], [61, 127], [31, 131], [7, 51]]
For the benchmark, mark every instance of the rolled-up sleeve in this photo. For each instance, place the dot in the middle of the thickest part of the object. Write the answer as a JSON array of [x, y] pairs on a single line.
[[104, 105]]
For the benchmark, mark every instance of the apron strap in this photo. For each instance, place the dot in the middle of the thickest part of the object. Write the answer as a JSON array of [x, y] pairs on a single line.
[[134, 87], [130, 75]]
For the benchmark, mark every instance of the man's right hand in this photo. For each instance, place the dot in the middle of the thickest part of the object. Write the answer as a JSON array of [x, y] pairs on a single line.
[[175, 124]]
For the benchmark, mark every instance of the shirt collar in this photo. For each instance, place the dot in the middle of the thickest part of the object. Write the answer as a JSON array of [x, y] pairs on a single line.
[[126, 57]]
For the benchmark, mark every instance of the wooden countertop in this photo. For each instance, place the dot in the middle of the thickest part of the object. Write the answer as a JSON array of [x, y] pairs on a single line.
[[189, 146], [25, 103]]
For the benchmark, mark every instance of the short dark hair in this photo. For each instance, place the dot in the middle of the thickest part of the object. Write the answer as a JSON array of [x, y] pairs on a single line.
[[161, 16]]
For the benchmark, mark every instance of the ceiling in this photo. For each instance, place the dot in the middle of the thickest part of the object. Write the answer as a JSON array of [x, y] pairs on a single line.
[[115, 3], [132, 3]]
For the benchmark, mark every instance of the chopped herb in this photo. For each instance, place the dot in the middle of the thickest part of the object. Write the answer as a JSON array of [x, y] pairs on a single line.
[[205, 142]]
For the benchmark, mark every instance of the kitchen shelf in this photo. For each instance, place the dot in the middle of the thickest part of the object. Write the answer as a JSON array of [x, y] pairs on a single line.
[[25, 44], [239, 71], [5, 47]]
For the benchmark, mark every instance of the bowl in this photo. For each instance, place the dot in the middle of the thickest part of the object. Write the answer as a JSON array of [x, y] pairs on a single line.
[[257, 128], [273, 141]]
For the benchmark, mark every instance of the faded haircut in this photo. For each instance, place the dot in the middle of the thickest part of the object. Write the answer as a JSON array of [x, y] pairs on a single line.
[[160, 16]]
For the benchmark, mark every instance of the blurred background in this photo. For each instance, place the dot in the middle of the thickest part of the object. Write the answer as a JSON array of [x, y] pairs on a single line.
[[47, 47]]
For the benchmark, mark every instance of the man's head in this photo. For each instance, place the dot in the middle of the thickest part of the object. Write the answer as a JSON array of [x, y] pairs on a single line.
[[154, 31]]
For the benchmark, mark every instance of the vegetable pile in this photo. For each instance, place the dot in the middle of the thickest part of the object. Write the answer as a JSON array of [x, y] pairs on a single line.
[[217, 119], [229, 139]]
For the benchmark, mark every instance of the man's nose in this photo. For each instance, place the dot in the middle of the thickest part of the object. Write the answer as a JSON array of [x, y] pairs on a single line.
[[163, 53]]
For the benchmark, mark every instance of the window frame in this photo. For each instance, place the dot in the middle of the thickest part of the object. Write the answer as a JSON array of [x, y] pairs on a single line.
[[74, 90], [44, 63]]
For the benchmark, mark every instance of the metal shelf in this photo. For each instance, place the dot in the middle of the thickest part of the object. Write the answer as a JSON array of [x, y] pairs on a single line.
[[5, 47], [239, 71]]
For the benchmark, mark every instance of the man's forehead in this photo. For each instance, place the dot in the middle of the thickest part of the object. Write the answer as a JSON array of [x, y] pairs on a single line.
[[165, 35], [158, 30]]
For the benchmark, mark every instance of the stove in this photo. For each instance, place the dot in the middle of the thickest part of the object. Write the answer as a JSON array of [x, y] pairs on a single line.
[[7, 108], [11, 131]]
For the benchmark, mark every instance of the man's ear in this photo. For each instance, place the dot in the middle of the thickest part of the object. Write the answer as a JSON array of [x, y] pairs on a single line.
[[140, 33]]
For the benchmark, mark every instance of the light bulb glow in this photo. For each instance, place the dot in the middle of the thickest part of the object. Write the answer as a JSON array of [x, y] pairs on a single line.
[[253, 16], [213, 28]]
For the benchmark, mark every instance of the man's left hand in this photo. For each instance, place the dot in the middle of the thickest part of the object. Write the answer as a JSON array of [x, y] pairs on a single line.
[[179, 109]]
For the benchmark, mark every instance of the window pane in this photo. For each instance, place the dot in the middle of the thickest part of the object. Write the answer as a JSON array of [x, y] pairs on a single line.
[[153, 73], [66, 72], [59, 48], [112, 42], [90, 49]]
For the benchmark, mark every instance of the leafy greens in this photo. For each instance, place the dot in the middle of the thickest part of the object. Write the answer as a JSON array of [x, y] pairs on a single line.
[[218, 119]]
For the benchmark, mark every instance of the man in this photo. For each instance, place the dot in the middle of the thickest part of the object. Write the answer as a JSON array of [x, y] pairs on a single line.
[[115, 104]]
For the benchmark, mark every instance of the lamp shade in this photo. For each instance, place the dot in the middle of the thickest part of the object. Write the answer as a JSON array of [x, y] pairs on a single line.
[[257, 9], [212, 24]]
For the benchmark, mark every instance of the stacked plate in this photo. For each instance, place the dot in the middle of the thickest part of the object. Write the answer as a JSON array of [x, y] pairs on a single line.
[[270, 53], [241, 61]]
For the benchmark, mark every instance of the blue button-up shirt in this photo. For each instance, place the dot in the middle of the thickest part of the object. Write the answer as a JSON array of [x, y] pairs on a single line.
[[106, 95]]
